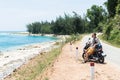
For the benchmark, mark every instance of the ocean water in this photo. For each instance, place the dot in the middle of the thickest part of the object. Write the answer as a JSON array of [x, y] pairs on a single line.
[[9, 40]]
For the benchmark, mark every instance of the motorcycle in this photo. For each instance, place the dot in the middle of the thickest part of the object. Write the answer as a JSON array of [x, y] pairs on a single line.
[[97, 56]]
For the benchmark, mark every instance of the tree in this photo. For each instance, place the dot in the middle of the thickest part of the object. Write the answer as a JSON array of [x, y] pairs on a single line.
[[78, 23], [111, 6], [118, 8], [95, 15], [36, 27], [29, 28]]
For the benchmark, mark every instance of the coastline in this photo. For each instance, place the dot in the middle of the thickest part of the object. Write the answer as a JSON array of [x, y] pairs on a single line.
[[12, 60], [5, 49], [49, 35]]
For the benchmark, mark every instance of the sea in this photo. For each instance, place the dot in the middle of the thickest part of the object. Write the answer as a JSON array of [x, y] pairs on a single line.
[[10, 40]]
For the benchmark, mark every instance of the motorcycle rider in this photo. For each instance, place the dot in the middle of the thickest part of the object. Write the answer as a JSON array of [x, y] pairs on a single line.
[[95, 45], [95, 40]]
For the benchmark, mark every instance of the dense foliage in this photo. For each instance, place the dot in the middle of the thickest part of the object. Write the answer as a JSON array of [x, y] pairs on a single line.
[[39, 27], [111, 6], [62, 25], [96, 15], [112, 26]]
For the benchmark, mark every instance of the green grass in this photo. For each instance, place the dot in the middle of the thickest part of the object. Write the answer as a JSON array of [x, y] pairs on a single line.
[[73, 38], [109, 42], [46, 79]]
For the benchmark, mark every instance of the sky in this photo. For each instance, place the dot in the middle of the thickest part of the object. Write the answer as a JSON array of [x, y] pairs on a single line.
[[16, 14]]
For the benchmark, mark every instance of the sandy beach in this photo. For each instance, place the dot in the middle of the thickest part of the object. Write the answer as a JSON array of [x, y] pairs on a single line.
[[11, 60]]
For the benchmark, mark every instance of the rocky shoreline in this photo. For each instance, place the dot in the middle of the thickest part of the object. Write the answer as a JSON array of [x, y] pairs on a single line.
[[12, 60]]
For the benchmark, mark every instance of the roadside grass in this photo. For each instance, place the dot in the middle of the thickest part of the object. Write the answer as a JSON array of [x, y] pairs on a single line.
[[112, 43], [73, 38], [46, 79], [36, 66]]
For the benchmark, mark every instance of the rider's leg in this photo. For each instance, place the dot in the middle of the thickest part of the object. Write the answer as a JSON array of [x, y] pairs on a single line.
[[86, 56]]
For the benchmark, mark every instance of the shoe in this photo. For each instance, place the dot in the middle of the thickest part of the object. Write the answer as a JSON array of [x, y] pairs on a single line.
[[84, 61]]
